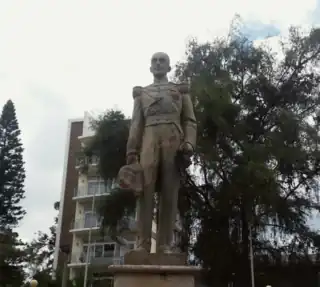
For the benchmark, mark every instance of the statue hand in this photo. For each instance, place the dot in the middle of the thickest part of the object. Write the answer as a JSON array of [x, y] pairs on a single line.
[[136, 91], [132, 158], [187, 148]]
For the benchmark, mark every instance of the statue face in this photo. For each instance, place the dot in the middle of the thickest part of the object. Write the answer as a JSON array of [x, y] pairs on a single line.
[[160, 64]]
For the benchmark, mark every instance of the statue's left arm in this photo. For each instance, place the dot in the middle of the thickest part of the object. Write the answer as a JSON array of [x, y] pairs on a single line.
[[188, 119], [137, 124]]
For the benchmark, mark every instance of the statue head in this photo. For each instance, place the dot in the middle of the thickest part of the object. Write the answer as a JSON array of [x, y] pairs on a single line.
[[160, 65]]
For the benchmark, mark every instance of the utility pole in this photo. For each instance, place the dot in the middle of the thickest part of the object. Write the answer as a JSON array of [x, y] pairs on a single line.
[[65, 273], [251, 257], [2, 253], [65, 251], [89, 241]]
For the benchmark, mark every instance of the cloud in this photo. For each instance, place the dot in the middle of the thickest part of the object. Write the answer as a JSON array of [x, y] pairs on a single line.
[[255, 30], [315, 14]]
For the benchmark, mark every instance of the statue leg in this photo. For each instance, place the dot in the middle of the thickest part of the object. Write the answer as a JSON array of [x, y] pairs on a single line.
[[149, 161], [170, 182]]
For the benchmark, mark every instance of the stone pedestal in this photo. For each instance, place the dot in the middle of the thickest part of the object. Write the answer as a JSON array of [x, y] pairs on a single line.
[[153, 275], [142, 257]]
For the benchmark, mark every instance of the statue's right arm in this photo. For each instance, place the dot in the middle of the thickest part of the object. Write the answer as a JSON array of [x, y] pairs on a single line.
[[137, 124]]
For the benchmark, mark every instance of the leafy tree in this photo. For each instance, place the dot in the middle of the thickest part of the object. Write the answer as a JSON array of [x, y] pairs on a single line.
[[257, 152], [112, 130], [12, 175], [109, 143], [39, 252]]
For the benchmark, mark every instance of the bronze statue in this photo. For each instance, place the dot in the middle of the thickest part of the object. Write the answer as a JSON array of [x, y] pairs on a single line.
[[163, 123]]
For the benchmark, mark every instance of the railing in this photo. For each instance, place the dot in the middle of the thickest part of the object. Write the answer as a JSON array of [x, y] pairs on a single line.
[[95, 188], [95, 222], [86, 223], [89, 191], [82, 160], [81, 258]]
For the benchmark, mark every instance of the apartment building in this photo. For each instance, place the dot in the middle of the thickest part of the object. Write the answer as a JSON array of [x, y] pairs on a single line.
[[80, 247]]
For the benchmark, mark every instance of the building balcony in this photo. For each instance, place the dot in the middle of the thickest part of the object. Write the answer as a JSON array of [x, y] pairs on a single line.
[[93, 189], [82, 226], [100, 254], [86, 140], [81, 259], [87, 164]]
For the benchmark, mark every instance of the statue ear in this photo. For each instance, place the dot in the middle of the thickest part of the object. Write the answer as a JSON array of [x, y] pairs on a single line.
[[169, 69], [151, 69]]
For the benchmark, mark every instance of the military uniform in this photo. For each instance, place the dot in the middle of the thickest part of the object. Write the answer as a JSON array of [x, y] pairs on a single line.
[[163, 119]]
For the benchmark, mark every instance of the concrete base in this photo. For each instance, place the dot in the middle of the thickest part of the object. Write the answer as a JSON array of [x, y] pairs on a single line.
[[153, 275], [142, 257]]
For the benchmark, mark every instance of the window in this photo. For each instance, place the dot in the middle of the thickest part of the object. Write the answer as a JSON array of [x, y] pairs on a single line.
[[108, 250], [93, 187], [98, 250], [90, 219], [96, 186], [85, 250]]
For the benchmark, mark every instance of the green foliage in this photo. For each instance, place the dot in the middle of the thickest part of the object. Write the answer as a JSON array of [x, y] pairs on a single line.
[[257, 150], [38, 254], [111, 130], [109, 143], [12, 173], [120, 204], [11, 259]]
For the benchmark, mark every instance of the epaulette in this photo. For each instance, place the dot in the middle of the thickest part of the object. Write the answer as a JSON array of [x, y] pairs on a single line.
[[136, 91], [183, 88]]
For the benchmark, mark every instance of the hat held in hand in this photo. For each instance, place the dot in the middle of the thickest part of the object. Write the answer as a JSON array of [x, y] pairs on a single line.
[[130, 177]]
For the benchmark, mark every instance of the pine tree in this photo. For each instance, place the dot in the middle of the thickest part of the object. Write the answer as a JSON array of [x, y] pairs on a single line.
[[12, 173]]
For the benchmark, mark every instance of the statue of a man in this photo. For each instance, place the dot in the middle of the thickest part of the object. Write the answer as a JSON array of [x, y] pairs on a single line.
[[163, 122]]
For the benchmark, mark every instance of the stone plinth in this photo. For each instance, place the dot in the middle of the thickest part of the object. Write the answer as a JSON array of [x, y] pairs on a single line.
[[153, 275], [142, 257]]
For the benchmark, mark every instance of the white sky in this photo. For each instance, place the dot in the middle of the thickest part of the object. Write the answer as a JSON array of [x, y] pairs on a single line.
[[59, 58]]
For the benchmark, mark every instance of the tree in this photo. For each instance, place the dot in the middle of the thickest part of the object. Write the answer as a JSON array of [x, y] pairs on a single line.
[[12, 175], [257, 152], [11, 260], [109, 143], [39, 252]]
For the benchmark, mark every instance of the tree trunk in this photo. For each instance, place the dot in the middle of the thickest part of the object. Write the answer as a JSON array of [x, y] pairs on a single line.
[[244, 266]]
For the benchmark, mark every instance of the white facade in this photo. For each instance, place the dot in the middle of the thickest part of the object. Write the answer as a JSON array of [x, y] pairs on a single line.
[[88, 248]]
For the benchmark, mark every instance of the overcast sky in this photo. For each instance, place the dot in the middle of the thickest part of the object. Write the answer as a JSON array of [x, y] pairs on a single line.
[[59, 58]]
